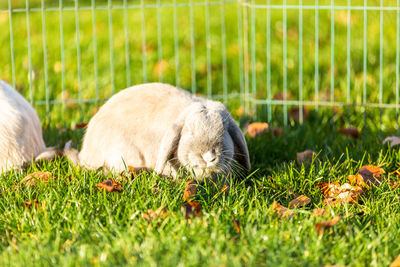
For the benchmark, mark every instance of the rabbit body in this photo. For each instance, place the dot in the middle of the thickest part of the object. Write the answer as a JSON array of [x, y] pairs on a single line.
[[20, 130], [161, 127]]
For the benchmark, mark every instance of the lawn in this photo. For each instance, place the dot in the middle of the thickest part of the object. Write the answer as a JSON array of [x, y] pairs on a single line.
[[76, 223]]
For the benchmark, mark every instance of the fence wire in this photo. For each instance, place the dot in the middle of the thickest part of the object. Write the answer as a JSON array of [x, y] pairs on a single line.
[[269, 58]]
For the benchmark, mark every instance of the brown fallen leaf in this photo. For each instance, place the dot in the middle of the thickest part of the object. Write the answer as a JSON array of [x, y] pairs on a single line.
[[236, 223], [338, 194], [30, 204], [396, 262], [81, 125], [371, 174], [395, 184], [281, 210], [225, 189], [357, 180], [190, 190], [322, 226], [299, 201], [305, 157], [256, 128], [192, 210], [350, 131], [160, 213], [33, 178], [110, 186], [319, 212], [294, 113]]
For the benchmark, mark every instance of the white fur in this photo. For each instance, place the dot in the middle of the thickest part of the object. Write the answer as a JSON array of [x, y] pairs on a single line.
[[161, 127], [20, 131]]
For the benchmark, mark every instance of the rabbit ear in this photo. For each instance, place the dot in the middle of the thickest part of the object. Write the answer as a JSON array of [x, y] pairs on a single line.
[[169, 143], [241, 151]]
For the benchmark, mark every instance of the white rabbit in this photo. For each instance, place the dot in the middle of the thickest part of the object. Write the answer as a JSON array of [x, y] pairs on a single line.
[[21, 138], [161, 127]]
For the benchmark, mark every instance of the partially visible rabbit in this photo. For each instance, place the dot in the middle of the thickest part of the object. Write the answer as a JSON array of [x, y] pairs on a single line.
[[161, 127], [21, 138]]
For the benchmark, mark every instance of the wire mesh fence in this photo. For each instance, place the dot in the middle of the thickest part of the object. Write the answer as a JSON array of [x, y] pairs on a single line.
[[267, 57]]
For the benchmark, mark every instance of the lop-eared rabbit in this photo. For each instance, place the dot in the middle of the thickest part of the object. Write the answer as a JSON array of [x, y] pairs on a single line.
[[161, 127], [21, 138]]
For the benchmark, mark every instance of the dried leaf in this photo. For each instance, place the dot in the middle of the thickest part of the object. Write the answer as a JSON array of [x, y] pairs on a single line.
[[305, 157], [350, 131], [110, 186], [190, 190], [358, 180], [160, 213], [256, 128], [298, 202], [319, 212], [30, 204], [322, 226], [294, 114], [236, 223], [281, 210], [338, 194], [31, 179], [81, 125], [396, 262], [371, 174], [192, 210], [225, 189], [395, 184], [393, 140]]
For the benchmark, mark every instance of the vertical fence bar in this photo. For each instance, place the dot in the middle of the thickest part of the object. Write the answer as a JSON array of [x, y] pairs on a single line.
[[269, 106], [159, 42], [224, 67], [176, 45], [348, 51], [380, 62], [316, 90], [240, 44], [253, 54], [365, 64], [111, 44], [192, 49], [397, 63], [127, 60], [10, 13], [301, 61], [208, 47], [28, 28], [78, 55], [96, 69], [60, 12], [332, 55], [284, 32], [144, 52], [46, 77], [246, 58]]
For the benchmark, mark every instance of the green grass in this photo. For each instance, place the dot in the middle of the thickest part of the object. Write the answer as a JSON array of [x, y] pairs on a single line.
[[79, 225]]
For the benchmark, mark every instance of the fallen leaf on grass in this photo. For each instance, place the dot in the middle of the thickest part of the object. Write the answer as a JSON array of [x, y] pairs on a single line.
[[305, 157], [31, 179], [371, 174], [319, 212], [395, 184], [160, 213], [192, 210], [110, 186], [322, 226], [299, 201], [350, 131], [358, 180], [281, 210], [236, 223], [396, 262], [190, 190], [393, 140], [338, 194], [294, 114], [256, 128], [225, 189], [30, 204]]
